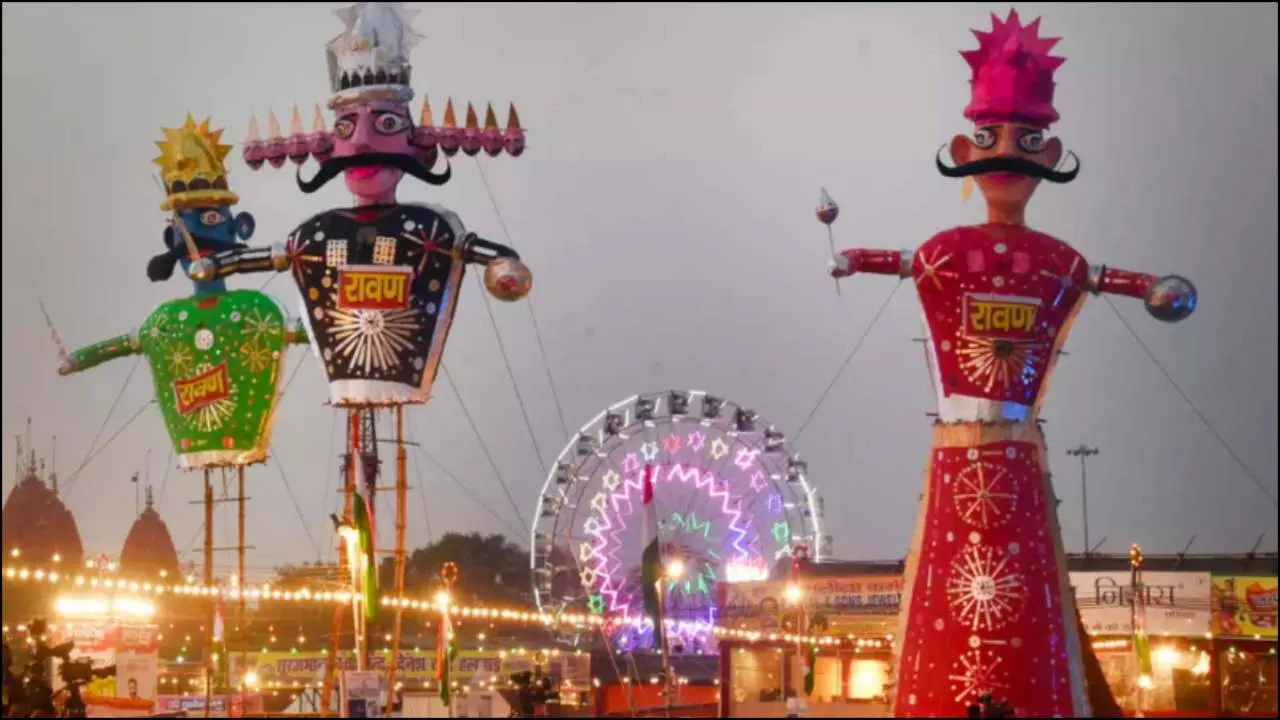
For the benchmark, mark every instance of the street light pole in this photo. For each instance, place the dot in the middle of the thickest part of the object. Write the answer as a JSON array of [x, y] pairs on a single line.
[[1083, 452], [671, 570]]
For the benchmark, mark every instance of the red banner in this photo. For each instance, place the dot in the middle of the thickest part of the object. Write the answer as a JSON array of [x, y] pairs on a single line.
[[202, 390]]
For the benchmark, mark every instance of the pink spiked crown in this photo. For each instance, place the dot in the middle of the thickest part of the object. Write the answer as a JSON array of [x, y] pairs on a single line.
[[1012, 73]]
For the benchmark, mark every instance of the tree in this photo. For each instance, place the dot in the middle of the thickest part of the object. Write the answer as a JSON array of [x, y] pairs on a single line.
[[491, 570]]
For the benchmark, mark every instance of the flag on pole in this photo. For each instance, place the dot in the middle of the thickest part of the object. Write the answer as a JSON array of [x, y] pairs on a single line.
[[57, 341], [446, 649], [651, 559], [368, 574]]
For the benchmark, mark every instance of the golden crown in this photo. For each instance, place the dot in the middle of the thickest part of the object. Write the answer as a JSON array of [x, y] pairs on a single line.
[[192, 167]]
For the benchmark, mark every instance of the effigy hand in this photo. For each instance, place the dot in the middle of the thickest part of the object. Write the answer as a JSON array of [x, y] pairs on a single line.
[[202, 270], [840, 266], [1171, 298], [507, 279]]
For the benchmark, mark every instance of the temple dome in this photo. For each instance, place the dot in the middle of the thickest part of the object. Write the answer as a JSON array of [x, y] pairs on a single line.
[[148, 549], [36, 523]]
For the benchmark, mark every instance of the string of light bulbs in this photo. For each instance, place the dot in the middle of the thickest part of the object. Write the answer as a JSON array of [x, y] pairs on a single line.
[[102, 579]]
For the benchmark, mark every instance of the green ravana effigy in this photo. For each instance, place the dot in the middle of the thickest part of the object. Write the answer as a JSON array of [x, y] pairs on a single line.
[[216, 356]]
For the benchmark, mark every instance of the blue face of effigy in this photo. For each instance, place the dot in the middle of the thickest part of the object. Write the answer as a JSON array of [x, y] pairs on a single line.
[[212, 230]]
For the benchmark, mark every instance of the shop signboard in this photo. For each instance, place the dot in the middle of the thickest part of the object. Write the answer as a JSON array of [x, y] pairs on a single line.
[[287, 669], [1176, 603], [856, 605]]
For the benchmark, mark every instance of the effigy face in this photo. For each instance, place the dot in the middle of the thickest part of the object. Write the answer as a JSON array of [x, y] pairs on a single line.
[[216, 361], [998, 301], [379, 286]]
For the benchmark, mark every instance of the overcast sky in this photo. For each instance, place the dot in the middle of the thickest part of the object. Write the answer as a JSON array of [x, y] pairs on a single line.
[[665, 208]]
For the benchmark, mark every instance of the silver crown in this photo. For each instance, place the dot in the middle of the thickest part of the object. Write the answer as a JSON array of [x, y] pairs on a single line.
[[370, 59]]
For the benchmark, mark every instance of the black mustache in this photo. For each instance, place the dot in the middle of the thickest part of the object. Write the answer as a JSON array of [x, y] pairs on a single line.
[[161, 266], [1010, 164], [333, 167]]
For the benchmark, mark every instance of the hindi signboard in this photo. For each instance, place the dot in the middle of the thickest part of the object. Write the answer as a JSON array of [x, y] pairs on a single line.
[[846, 605], [1177, 603], [303, 668]]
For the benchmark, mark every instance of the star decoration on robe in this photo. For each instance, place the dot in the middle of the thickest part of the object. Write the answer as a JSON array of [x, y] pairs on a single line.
[[931, 268]]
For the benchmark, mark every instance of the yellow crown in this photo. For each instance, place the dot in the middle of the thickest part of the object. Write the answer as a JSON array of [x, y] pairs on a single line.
[[191, 163]]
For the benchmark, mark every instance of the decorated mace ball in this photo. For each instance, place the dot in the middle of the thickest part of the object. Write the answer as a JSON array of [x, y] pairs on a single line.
[[201, 270], [1171, 298], [507, 279]]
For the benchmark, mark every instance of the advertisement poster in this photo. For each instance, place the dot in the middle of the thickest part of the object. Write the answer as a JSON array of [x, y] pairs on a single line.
[[137, 674], [1244, 606], [856, 605], [1177, 603], [361, 693], [112, 643]]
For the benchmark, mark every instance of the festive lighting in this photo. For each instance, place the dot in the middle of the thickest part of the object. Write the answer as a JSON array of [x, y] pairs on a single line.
[[96, 606], [1168, 656], [793, 593], [675, 569], [1110, 644], [82, 607], [139, 605]]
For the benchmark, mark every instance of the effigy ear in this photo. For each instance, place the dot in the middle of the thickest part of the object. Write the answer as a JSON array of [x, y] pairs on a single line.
[[245, 225]]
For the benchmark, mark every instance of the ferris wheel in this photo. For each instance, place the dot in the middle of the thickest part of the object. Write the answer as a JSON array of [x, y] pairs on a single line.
[[731, 498]]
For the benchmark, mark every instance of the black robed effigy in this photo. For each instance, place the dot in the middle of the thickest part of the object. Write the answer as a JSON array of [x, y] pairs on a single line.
[[379, 286]]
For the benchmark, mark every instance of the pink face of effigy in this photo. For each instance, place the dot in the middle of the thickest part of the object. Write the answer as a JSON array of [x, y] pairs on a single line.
[[377, 127]]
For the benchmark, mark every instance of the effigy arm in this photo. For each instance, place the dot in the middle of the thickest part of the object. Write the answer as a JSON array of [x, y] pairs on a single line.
[[240, 261], [876, 262], [1170, 298], [98, 353], [505, 276], [478, 251], [297, 335]]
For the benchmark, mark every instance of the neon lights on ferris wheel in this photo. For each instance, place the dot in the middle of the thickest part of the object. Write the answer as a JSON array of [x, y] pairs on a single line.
[[603, 550], [598, 559], [625, 405]]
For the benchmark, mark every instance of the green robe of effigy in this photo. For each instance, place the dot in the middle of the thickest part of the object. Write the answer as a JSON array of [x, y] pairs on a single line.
[[215, 360]]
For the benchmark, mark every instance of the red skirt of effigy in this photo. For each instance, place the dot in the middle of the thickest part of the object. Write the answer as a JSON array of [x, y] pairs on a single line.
[[989, 608]]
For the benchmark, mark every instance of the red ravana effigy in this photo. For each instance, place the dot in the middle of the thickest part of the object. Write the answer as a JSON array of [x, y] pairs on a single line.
[[989, 608]]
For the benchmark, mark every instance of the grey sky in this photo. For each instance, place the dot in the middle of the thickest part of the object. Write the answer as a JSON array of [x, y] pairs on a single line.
[[665, 207]]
